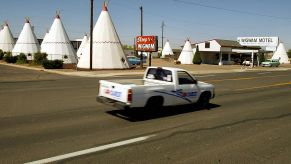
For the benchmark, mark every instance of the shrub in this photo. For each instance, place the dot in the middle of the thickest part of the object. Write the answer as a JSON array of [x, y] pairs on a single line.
[[1, 54], [39, 58], [197, 58], [21, 59], [52, 64], [9, 58]]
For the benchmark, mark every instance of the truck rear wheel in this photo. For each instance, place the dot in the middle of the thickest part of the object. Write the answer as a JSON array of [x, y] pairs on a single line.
[[155, 103], [204, 99]]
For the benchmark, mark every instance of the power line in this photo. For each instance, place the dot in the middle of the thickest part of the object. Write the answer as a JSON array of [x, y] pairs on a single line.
[[230, 10]]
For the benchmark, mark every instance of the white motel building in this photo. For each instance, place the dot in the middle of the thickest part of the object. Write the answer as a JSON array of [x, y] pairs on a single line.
[[227, 52]]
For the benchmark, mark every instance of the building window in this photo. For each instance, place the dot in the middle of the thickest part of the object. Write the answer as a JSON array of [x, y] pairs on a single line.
[[207, 44]]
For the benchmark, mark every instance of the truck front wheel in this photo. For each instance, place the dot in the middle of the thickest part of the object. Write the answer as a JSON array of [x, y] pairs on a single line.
[[204, 99]]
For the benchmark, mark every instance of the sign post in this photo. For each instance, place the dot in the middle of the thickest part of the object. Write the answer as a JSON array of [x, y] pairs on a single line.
[[147, 44]]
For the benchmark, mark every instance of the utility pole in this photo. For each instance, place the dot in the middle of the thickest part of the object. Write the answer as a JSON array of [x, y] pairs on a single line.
[[163, 25], [91, 34], [141, 34]]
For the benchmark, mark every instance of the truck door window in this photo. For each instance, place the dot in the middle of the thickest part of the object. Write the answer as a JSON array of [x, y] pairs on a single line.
[[159, 74], [185, 78]]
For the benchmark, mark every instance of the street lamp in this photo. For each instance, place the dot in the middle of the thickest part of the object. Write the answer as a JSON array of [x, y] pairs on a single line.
[[91, 33]]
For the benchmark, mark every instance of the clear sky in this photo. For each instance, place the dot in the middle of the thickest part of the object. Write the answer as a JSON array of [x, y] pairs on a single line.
[[198, 20]]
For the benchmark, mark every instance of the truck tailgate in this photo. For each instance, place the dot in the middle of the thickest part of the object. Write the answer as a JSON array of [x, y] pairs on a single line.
[[113, 91]]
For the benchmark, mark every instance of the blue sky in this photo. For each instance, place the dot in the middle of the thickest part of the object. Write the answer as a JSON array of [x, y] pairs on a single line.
[[198, 20]]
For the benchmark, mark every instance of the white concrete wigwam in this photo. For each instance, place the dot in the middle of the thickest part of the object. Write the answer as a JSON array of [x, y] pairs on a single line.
[[1, 29], [27, 42], [58, 45], [44, 42], [7, 41], [107, 49], [167, 50], [82, 46], [281, 54], [186, 56]]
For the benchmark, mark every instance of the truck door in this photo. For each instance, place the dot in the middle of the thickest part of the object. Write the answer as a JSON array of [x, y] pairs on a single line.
[[186, 89]]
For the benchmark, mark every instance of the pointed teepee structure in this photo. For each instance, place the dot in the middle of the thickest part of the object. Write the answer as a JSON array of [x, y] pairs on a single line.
[[281, 54], [7, 41], [58, 45], [27, 42], [82, 46], [44, 42], [1, 29], [186, 56], [167, 50], [107, 49]]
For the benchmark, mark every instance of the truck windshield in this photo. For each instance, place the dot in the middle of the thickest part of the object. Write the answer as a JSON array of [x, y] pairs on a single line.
[[159, 74]]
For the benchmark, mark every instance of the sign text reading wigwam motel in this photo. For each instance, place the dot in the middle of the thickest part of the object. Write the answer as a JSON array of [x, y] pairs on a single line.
[[258, 41], [147, 43]]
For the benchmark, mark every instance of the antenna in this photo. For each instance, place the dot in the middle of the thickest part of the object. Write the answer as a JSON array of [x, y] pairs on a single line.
[[58, 13], [27, 20], [106, 2]]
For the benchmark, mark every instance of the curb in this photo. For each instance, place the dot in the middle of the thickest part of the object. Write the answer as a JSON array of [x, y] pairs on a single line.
[[96, 74]]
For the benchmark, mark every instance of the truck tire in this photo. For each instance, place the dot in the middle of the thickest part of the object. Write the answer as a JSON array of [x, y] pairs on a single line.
[[204, 99], [154, 103]]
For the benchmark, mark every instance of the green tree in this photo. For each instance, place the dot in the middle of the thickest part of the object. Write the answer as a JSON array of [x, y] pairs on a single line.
[[289, 53], [197, 58], [262, 58], [127, 47]]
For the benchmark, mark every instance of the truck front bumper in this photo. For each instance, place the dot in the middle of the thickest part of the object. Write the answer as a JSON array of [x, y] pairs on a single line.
[[111, 102]]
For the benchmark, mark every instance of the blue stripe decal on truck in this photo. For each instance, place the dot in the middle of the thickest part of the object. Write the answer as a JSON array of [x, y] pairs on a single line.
[[175, 94]]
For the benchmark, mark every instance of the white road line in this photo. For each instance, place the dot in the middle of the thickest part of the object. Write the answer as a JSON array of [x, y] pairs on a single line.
[[205, 76], [91, 150], [264, 73]]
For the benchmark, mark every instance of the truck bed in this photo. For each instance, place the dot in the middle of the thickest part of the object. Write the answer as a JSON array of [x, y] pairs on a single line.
[[134, 82]]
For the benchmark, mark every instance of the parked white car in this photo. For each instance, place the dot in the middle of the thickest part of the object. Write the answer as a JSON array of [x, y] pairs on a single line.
[[159, 87]]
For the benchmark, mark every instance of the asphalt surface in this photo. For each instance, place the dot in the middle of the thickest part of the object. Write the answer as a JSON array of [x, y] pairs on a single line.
[[45, 115]]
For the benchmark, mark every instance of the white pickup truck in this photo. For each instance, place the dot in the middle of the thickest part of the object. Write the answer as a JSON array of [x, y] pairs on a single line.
[[160, 86]]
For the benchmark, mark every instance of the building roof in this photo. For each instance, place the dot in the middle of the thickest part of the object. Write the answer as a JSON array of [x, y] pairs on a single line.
[[232, 44], [228, 43]]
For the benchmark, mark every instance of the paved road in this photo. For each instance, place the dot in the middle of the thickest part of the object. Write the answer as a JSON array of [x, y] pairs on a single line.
[[44, 115]]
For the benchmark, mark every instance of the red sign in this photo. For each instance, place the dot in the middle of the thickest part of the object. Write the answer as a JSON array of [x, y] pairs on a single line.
[[147, 43]]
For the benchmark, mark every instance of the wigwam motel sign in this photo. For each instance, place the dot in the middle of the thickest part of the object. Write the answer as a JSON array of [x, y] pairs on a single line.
[[147, 43], [259, 41]]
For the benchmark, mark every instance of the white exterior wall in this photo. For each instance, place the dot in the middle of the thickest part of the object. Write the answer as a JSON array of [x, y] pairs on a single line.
[[214, 46]]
